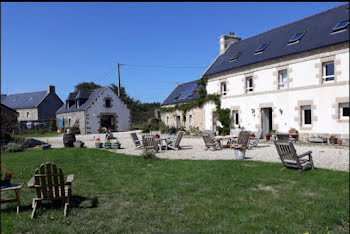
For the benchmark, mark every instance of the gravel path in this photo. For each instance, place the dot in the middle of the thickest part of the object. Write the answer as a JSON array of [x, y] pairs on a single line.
[[324, 156]]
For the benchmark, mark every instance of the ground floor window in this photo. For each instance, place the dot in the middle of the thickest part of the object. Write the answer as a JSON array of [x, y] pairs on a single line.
[[306, 115], [235, 117], [69, 122], [167, 120], [190, 119], [344, 110]]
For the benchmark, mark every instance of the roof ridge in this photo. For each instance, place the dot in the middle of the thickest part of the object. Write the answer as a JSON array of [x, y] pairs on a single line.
[[25, 93], [323, 12], [189, 82]]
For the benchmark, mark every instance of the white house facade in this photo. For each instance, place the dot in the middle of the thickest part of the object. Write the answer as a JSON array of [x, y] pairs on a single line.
[[280, 80]]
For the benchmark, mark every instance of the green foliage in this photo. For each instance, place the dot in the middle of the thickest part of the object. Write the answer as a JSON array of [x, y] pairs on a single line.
[[152, 125], [148, 154], [224, 117], [14, 147], [87, 86], [52, 125]]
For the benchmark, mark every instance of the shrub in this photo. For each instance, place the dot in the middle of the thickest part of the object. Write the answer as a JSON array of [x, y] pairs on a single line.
[[148, 154], [13, 147], [172, 129]]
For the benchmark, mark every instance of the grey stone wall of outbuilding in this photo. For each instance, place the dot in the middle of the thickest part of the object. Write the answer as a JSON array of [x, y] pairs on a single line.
[[9, 122], [70, 118], [27, 114]]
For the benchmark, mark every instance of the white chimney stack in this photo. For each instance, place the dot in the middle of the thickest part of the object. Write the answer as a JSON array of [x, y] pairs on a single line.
[[227, 40]]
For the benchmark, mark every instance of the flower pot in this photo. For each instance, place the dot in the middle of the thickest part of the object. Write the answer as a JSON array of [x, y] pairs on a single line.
[[115, 146], [5, 181], [267, 138], [108, 146], [293, 131], [239, 154], [223, 133], [333, 141], [98, 145], [340, 143]]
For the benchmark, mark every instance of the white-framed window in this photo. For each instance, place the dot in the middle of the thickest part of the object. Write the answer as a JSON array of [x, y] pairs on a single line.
[[328, 71], [27, 114], [282, 79], [344, 111], [190, 119], [223, 88], [235, 118], [249, 84], [306, 116], [167, 120]]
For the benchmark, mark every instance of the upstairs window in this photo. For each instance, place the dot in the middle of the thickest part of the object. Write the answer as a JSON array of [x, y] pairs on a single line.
[[341, 25], [296, 37], [344, 110], [328, 71], [261, 48], [223, 89], [108, 103], [306, 115], [249, 84], [283, 79]]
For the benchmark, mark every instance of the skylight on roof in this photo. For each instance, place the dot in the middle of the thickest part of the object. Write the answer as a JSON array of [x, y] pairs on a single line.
[[341, 25], [235, 57], [262, 47], [296, 37]]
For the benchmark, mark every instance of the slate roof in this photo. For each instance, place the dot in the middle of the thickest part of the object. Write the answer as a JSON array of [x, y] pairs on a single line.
[[318, 33], [9, 108], [23, 100], [92, 96], [186, 92]]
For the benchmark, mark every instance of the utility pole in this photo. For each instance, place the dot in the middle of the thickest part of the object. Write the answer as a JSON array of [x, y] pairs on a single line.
[[118, 80]]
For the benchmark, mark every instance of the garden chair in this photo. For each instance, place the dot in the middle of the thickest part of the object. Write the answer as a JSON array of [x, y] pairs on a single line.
[[48, 181], [208, 132], [234, 132], [211, 142], [175, 143], [135, 139], [289, 157], [149, 142], [242, 141], [255, 140]]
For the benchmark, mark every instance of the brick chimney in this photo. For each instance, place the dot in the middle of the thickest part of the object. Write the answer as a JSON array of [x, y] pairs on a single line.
[[227, 40], [50, 89]]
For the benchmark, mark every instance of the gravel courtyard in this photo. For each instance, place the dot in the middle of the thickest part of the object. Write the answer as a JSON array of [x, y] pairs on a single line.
[[324, 156]]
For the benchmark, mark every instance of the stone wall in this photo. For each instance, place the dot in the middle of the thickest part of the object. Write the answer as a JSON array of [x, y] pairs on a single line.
[[169, 118], [48, 107], [71, 118], [28, 114]]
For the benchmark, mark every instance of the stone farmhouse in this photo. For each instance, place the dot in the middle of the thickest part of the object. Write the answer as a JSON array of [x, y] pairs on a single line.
[[91, 110], [293, 76], [34, 107], [183, 93]]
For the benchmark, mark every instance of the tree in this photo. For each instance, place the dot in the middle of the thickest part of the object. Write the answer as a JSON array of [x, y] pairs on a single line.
[[87, 86]]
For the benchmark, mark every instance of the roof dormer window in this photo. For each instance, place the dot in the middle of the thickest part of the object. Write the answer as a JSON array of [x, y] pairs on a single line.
[[235, 57], [296, 37], [261, 48], [341, 25]]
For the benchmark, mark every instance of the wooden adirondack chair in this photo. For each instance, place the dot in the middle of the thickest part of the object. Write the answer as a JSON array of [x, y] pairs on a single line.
[[175, 143], [211, 142], [149, 142], [208, 132], [254, 142], [289, 157], [49, 184], [136, 140], [243, 140]]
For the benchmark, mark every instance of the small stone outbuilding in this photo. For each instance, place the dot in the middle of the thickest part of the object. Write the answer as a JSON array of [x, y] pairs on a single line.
[[92, 110]]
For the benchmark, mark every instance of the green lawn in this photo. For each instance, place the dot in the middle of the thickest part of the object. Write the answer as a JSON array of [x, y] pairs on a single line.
[[121, 193], [40, 134]]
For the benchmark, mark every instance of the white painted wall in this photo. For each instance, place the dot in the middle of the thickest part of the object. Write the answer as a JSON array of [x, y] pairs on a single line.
[[304, 86]]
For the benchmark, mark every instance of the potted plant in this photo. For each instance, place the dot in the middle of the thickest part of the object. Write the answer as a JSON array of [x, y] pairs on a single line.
[[116, 144], [293, 130], [267, 136], [340, 142], [333, 139], [252, 135], [240, 151], [108, 144], [7, 176], [98, 144]]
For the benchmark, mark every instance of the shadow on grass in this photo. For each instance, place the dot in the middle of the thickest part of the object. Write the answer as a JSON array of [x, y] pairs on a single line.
[[76, 201]]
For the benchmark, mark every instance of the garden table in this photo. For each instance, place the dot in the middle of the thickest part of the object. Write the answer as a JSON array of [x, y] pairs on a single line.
[[229, 139], [160, 141], [16, 188]]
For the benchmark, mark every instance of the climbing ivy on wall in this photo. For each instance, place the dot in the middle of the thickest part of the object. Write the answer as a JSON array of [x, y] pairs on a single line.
[[223, 114]]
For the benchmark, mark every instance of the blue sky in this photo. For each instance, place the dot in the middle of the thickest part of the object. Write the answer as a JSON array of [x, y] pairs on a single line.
[[63, 44]]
